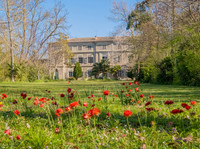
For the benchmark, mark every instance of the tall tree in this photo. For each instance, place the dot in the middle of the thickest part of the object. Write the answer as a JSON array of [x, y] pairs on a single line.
[[77, 71]]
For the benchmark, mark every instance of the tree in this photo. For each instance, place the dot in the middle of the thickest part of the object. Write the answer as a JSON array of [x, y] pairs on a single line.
[[115, 70], [77, 71], [102, 67]]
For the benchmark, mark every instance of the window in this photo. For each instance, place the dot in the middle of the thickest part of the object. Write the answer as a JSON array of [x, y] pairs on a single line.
[[104, 47], [72, 60], [80, 60], [89, 72], [79, 47], [90, 59], [89, 47], [70, 74], [120, 73], [104, 57]]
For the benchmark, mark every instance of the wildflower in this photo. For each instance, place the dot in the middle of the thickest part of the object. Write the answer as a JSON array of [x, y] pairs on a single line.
[[133, 100], [127, 113], [139, 101], [92, 95], [93, 105], [85, 104], [136, 89], [94, 112], [68, 109], [69, 90], [123, 83], [36, 102], [175, 111], [41, 105], [127, 95], [184, 105], [89, 97], [99, 99], [18, 137], [85, 116], [168, 102], [150, 109], [148, 103], [57, 114], [59, 111], [136, 82], [16, 112], [7, 132], [129, 90], [73, 104], [62, 95], [115, 95], [151, 96], [108, 114], [106, 92], [4, 95], [193, 103], [130, 83], [1, 104], [142, 95], [187, 107], [57, 130], [30, 98]]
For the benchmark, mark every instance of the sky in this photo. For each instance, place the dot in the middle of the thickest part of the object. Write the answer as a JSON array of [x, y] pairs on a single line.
[[89, 18]]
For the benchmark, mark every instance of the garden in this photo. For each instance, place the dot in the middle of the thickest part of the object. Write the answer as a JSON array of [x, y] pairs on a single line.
[[98, 114]]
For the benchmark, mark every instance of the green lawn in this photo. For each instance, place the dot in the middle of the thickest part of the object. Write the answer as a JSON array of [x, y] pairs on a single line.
[[155, 129]]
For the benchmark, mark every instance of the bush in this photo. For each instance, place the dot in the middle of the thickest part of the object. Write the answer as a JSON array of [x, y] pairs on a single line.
[[77, 71]]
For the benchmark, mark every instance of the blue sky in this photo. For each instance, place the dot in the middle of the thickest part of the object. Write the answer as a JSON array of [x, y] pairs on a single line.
[[89, 18]]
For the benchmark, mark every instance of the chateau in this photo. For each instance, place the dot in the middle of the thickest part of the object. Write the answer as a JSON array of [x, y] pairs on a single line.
[[88, 51]]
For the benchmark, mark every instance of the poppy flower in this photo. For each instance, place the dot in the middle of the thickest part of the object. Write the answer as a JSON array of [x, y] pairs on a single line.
[[73, 104], [136, 89], [85, 104], [93, 105], [69, 90], [148, 103], [136, 82], [16, 112], [168, 102], [30, 98], [89, 97], [4, 96], [56, 114], [130, 83], [92, 95], [122, 91], [15, 101], [106, 92], [127, 95], [7, 132], [1, 104], [57, 130], [193, 103], [150, 109], [62, 95], [133, 100], [99, 99], [85, 116], [59, 111], [142, 95], [36, 102], [187, 107], [184, 105], [139, 101], [108, 114], [151, 96], [94, 112], [18, 137], [115, 95], [41, 105], [127, 113], [129, 90], [123, 83], [175, 111], [68, 109]]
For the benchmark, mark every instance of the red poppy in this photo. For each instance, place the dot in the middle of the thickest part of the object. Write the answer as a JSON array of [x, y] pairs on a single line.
[[127, 95], [133, 100], [85, 116], [59, 111], [36, 102], [68, 109], [142, 95], [69, 90], [4, 96], [127, 113], [193, 102], [175, 111], [106, 92], [7, 132], [99, 99], [129, 90], [57, 114], [93, 105], [136, 89], [16, 112], [41, 105], [18, 137], [148, 103], [187, 107], [15, 101], [130, 83], [85, 104], [73, 104], [122, 91], [89, 97], [94, 112], [30, 98], [123, 83], [184, 105], [115, 95], [150, 109], [151, 96], [92, 95], [168, 102], [108, 114], [139, 101], [136, 82], [62, 95], [57, 130]]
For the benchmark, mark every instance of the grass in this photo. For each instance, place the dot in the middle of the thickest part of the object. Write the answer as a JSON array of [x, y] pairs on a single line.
[[156, 129]]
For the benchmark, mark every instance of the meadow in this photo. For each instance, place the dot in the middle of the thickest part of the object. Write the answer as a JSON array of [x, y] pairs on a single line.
[[98, 114]]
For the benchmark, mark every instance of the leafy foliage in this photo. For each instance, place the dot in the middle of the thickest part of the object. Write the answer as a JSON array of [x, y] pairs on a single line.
[[77, 71]]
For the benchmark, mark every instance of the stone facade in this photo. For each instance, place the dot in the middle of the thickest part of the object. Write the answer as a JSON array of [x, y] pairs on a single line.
[[88, 51]]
